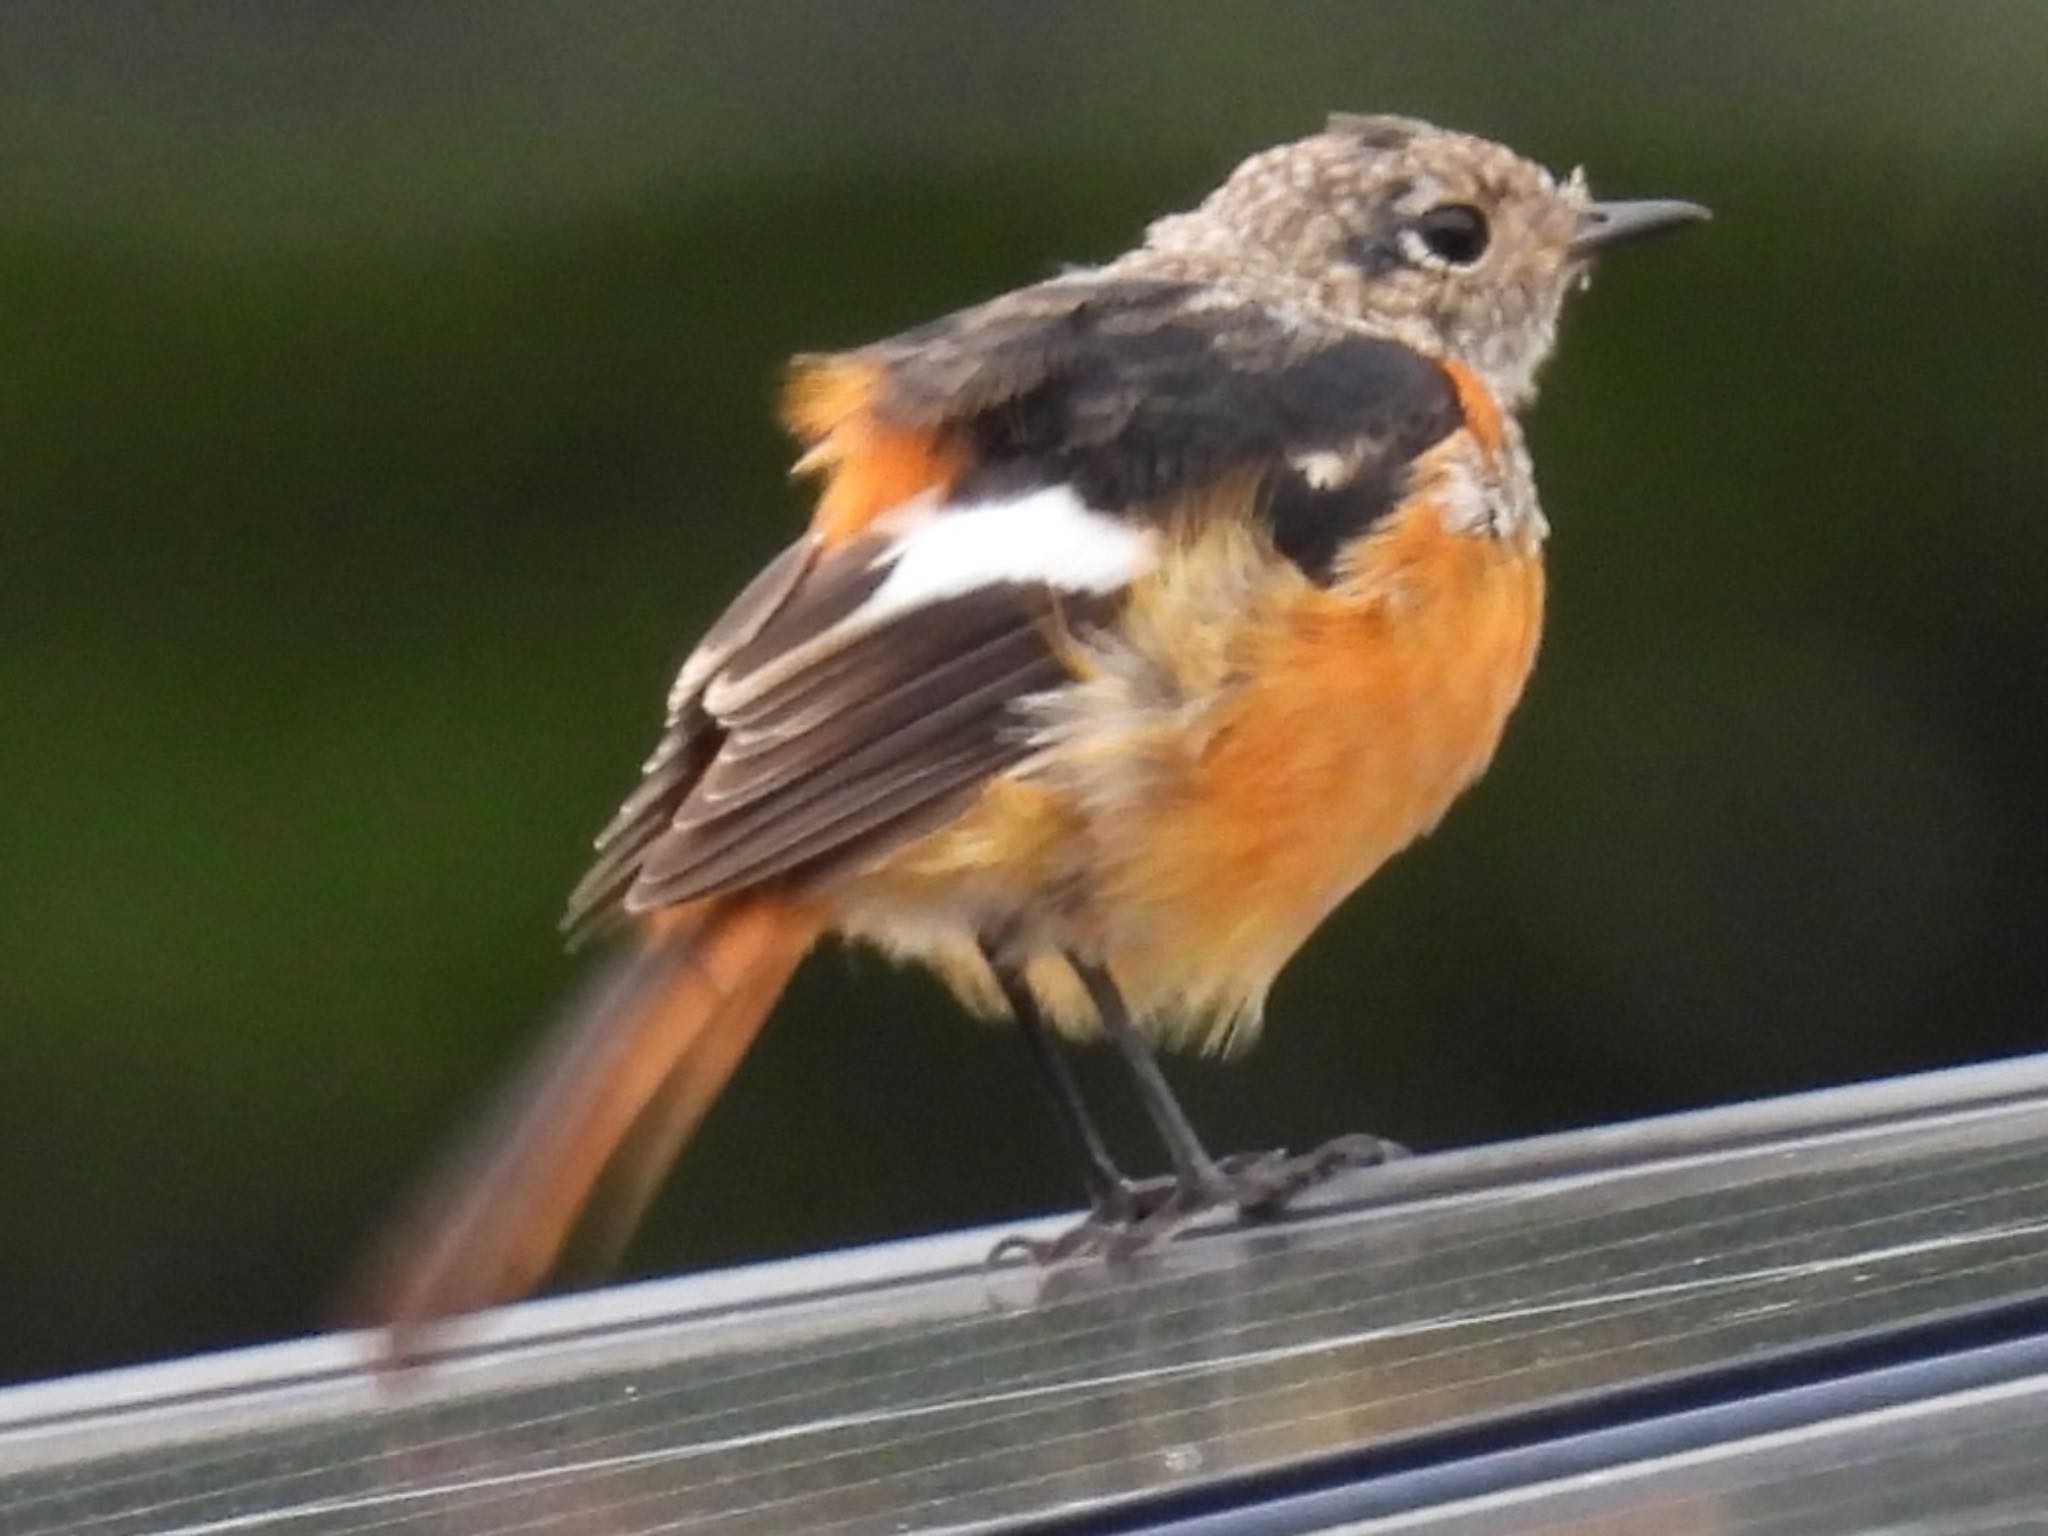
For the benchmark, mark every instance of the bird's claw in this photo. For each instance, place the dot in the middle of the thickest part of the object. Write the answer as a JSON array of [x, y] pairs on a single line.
[[1123, 1220], [1132, 1217], [1261, 1184]]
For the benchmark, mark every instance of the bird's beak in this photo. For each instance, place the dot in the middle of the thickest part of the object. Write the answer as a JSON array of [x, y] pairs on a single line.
[[1603, 226]]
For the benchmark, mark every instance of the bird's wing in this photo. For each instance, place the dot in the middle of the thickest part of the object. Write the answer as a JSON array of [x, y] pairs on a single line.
[[996, 482]]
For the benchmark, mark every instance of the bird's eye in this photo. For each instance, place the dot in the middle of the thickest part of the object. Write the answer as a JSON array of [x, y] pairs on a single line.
[[1453, 232]]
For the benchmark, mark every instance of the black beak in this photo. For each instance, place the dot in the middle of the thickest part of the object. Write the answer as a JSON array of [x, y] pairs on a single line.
[[1603, 226]]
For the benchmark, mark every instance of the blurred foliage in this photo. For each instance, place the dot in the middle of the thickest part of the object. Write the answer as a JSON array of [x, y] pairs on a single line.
[[384, 406]]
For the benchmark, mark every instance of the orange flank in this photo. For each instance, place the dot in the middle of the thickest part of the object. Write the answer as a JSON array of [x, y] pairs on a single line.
[[1195, 847], [870, 466], [1367, 708]]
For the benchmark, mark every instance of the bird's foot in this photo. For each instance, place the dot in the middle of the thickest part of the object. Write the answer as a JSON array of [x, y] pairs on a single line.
[[1260, 1184], [1135, 1215], [1123, 1219]]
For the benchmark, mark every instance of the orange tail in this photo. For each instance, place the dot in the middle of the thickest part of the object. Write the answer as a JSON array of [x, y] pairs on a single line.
[[644, 1056]]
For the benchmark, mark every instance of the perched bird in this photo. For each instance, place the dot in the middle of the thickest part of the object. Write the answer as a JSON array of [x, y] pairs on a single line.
[[1145, 612]]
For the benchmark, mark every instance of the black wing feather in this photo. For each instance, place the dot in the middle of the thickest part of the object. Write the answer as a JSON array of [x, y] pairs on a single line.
[[810, 749], [1136, 395]]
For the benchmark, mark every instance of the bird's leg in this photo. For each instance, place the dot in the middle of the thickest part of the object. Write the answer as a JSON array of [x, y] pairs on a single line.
[[1117, 1204], [1110, 1193], [1257, 1183], [1126, 1216], [1194, 1170]]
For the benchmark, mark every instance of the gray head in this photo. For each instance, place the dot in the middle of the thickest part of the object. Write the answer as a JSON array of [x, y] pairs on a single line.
[[1450, 243]]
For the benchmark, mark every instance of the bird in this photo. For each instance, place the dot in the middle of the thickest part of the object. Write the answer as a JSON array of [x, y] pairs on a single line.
[[1145, 611]]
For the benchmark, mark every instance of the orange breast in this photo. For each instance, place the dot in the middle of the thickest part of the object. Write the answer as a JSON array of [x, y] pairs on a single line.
[[1366, 709]]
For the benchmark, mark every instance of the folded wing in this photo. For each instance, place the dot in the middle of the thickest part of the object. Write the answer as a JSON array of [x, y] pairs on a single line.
[[998, 481]]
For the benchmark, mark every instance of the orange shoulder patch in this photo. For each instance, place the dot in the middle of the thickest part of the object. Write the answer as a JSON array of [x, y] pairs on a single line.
[[825, 391], [869, 465]]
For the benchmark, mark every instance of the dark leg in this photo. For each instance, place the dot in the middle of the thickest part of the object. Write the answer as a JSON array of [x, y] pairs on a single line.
[[1104, 1181], [1194, 1170], [1126, 1217], [1258, 1183]]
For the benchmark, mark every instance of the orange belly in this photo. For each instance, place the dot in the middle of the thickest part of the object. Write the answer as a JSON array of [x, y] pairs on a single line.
[[1367, 709], [1191, 827]]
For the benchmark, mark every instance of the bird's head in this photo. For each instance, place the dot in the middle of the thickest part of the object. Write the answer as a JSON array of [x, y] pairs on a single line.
[[1450, 243]]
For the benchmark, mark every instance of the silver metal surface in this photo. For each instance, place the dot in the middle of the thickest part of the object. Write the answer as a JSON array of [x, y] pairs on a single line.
[[1975, 1462], [908, 1388]]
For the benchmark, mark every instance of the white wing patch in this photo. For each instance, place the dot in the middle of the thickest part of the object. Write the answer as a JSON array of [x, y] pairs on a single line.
[[1046, 536]]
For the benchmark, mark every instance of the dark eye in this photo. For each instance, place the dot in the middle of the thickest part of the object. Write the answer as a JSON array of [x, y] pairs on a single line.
[[1454, 232]]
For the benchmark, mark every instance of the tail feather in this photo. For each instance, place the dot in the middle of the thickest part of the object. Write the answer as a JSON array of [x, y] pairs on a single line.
[[636, 1174], [641, 1060]]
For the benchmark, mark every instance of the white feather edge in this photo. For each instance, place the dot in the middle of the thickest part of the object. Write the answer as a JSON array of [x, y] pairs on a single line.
[[942, 550], [936, 550]]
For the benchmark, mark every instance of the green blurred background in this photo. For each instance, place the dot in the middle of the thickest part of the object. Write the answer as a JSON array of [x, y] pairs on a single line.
[[384, 405]]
